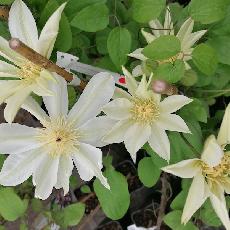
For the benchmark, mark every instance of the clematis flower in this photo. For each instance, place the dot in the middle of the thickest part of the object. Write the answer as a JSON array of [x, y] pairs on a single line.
[[210, 175], [142, 117], [185, 35], [48, 153], [26, 76]]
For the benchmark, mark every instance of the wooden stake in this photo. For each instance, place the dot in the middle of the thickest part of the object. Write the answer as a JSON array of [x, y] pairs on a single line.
[[30, 54], [163, 87]]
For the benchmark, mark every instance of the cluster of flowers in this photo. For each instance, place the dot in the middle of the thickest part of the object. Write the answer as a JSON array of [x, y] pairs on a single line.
[[69, 138]]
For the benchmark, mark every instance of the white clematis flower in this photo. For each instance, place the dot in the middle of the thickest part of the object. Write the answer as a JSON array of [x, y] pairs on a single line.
[[142, 117], [48, 153], [29, 77], [185, 35], [211, 175]]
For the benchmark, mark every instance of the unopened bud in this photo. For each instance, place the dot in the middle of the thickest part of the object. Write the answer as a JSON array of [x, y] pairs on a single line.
[[163, 87]]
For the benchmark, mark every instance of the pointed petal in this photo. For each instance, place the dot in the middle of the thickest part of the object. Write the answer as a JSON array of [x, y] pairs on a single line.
[[49, 33], [212, 153], [14, 103], [8, 70], [130, 81], [117, 133], [224, 134], [172, 103], [157, 28], [97, 93], [45, 176], [65, 168], [35, 109], [22, 24], [184, 169], [219, 205], [226, 184], [196, 197], [138, 55], [118, 109], [168, 24], [148, 37], [185, 30], [95, 129], [18, 168], [88, 161], [159, 142], [57, 105], [15, 138], [172, 122], [135, 137]]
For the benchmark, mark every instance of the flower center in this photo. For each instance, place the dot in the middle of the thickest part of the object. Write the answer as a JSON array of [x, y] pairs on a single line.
[[172, 59], [145, 110], [61, 137], [29, 71], [219, 171]]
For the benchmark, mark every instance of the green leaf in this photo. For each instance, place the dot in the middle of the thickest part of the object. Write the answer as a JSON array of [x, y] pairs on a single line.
[[36, 205], [148, 172], [85, 189], [205, 58], [207, 11], [11, 206], [101, 40], [72, 96], [114, 202], [221, 44], [163, 48], [69, 216], [179, 200], [6, 2], [190, 78], [119, 45], [171, 72], [92, 18], [146, 10], [173, 220]]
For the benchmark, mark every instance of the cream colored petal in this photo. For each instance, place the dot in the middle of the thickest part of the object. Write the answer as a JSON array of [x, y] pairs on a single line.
[[18, 168], [173, 103], [148, 37], [130, 81], [184, 169], [35, 109], [14, 103], [117, 133], [224, 134], [193, 38], [185, 30], [8, 53], [120, 93], [65, 168], [219, 205], [137, 71], [45, 176], [22, 24], [135, 137], [49, 33], [95, 129], [197, 195], [168, 24], [88, 161], [159, 142], [212, 153], [97, 94], [138, 54], [226, 184], [8, 70], [172, 122], [142, 89], [57, 105], [15, 138], [157, 28], [118, 109]]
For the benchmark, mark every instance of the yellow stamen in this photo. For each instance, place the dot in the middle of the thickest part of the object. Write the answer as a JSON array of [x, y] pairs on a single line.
[[60, 136], [145, 110]]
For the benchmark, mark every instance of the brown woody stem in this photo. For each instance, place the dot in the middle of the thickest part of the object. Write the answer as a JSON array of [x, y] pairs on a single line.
[[4, 12], [30, 54]]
